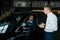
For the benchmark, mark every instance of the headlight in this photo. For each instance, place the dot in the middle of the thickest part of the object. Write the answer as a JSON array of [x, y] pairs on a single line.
[[1, 28], [5, 28]]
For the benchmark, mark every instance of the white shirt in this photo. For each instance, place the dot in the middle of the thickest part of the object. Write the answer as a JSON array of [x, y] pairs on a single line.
[[51, 23]]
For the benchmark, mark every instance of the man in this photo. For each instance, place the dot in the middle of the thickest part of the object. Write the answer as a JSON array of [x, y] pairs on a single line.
[[28, 26], [30, 21], [51, 23]]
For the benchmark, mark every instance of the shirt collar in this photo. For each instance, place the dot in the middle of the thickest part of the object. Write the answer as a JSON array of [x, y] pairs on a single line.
[[49, 13], [30, 21]]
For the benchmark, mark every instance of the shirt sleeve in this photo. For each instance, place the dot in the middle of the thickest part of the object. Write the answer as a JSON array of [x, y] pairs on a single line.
[[52, 23], [23, 24]]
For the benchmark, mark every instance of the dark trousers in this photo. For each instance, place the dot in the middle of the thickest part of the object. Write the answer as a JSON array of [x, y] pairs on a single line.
[[48, 36]]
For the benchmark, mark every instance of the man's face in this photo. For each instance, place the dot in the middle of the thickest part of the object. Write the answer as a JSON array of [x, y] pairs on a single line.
[[46, 10], [31, 18]]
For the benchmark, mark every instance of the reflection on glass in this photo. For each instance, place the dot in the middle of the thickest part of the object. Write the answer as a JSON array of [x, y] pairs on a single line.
[[55, 3], [38, 3], [21, 4]]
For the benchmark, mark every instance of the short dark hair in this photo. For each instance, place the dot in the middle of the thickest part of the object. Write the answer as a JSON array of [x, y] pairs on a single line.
[[48, 6]]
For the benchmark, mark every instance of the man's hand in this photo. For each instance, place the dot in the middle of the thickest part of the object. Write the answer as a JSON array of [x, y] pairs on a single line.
[[42, 25]]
